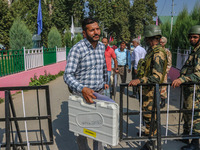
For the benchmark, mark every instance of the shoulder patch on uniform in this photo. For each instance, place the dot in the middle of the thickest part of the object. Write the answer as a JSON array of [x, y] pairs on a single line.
[[156, 49]]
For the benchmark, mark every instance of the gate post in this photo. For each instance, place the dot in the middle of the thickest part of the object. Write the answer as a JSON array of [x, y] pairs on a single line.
[[158, 117], [121, 113], [7, 117]]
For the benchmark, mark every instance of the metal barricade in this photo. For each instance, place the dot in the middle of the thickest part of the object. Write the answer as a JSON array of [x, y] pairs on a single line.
[[125, 115], [19, 137]]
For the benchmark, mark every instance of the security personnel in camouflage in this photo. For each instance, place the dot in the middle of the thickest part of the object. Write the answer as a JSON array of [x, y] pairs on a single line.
[[155, 63], [190, 72]]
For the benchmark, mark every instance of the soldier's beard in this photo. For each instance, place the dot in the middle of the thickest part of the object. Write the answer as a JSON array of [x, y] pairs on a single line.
[[195, 44], [146, 45]]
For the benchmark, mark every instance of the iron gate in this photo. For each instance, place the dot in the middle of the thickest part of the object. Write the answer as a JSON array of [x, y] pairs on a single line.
[[14, 138], [126, 113]]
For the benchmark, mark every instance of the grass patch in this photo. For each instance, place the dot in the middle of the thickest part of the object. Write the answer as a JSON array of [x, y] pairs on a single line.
[[43, 79], [1, 100]]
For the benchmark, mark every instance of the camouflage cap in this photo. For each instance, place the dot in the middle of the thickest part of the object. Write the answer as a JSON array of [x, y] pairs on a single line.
[[194, 30], [152, 30]]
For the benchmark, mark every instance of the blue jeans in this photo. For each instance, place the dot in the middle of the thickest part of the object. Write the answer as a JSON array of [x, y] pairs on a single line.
[[107, 91]]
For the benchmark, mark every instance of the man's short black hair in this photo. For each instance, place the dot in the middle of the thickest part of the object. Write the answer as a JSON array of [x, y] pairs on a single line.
[[105, 38], [123, 42], [87, 21]]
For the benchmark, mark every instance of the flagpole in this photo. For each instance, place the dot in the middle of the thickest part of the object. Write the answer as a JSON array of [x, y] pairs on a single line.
[[72, 30], [157, 20], [39, 20]]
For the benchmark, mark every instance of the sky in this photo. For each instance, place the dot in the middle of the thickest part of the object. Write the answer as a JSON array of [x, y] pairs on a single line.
[[164, 7]]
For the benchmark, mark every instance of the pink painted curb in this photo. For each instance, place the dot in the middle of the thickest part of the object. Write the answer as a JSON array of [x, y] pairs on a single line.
[[23, 78]]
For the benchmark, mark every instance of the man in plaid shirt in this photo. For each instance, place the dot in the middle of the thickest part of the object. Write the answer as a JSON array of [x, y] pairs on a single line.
[[86, 70]]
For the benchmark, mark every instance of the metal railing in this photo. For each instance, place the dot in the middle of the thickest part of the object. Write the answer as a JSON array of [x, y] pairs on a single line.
[[67, 51], [49, 56], [11, 62], [179, 56], [33, 58], [125, 115], [61, 54], [16, 138], [14, 61]]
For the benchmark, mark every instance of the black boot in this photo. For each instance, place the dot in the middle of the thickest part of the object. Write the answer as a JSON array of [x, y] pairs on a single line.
[[186, 141], [142, 134], [162, 104], [194, 145], [147, 146], [133, 96]]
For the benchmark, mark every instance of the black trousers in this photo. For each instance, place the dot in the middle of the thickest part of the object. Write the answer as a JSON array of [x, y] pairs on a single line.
[[134, 76]]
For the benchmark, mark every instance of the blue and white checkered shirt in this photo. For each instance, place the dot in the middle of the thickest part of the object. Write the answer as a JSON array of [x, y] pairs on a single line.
[[86, 67]]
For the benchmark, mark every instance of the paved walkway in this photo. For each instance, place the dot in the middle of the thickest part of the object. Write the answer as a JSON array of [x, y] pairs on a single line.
[[63, 138]]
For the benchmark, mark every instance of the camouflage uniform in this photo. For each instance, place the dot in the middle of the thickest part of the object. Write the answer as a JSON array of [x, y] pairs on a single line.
[[191, 72], [153, 74], [163, 93]]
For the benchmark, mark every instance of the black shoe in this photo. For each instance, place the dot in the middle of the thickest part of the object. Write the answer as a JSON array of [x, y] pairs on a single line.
[[133, 96], [186, 141], [147, 146], [193, 146], [111, 93], [190, 147], [142, 134], [162, 104]]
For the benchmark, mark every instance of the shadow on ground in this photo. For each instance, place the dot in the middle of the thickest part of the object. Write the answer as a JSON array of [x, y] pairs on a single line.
[[64, 138]]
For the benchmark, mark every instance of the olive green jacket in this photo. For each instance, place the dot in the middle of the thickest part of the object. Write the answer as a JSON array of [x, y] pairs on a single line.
[[190, 72], [156, 71]]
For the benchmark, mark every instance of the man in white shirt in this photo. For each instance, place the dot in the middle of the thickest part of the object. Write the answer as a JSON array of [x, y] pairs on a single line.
[[138, 53]]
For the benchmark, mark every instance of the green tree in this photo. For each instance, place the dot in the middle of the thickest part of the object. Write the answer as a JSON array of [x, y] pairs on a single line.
[[141, 13], [67, 38], [78, 37], [120, 20], [103, 10], [166, 27], [137, 18], [151, 10], [64, 9], [62, 12], [113, 17], [78, 11], [54, 38], [61, 15], [195, 15], [6, 21], [179, 36], [20, 36], [180, 30], [27, 11]]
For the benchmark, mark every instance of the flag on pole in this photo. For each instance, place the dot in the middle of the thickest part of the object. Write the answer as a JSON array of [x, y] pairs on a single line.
[[139, 37], [157, 20], [39, 18], [110, 39], [72, 29]]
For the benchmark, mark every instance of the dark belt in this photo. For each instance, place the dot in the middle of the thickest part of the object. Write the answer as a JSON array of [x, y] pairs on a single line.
[[121, 65]]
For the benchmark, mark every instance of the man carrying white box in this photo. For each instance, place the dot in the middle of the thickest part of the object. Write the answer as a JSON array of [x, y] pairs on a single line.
[[86, 70]]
